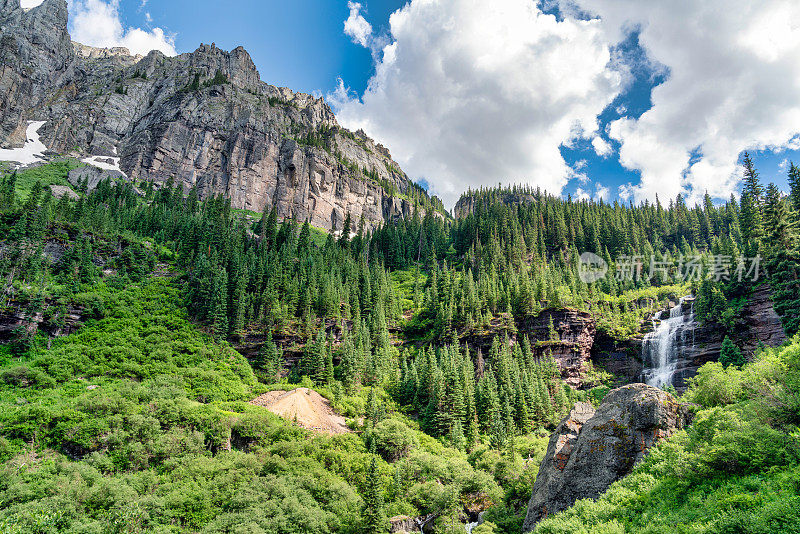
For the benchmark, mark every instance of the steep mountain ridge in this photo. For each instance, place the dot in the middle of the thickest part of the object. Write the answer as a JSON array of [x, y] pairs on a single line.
[[203, 119]]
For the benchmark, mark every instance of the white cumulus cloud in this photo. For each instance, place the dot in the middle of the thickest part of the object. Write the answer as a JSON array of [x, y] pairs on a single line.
[[97, 23], [600, 193], [356, 26], [472, 92], [731, 86], [625, 192], [601, 146]]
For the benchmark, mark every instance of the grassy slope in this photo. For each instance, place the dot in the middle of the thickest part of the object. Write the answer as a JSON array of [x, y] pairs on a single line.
[[125, 426], [50, 174]]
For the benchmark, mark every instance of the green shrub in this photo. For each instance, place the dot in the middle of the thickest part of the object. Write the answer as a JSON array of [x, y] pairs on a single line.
[[715, 385], [23, 376], [393, 439]]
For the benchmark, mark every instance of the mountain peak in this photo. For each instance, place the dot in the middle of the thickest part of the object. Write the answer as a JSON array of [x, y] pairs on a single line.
[[202, 119]]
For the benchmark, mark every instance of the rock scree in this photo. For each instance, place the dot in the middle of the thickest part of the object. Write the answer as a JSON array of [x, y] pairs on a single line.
[[591, 449], [305, 406]]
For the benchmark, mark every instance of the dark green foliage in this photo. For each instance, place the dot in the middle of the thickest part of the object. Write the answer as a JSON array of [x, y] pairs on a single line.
[[135, 262], [730, 354], [194, 85], [219, 78], [710, 302], [373, 514], [784, 269], [269, 360], [752, 185], [783, 254]]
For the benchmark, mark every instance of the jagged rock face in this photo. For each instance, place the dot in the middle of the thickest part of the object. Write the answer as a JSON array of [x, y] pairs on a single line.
[[763, 323], [260, 145], [14, 321], [576, 332], [591, 449], [623, 359], [35, 56]]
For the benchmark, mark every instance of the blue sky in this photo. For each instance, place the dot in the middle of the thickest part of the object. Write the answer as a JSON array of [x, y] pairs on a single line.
[[301, 44], [297, 44]]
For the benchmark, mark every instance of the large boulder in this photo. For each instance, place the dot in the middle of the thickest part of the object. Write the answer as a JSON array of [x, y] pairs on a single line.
[[591, 449]]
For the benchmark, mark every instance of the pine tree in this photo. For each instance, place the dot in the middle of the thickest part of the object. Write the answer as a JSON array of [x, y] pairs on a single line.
[[347, 363], [318, 354], [374, 520], [730, 354], [269, 359], [329, 366], [8, 191], [304, 241], [750, 221], [239, 302], [752, 185], [220, 304], [776, 219], [784, 279], [794, 186], [551, 330], [373, 411], [344, 240]]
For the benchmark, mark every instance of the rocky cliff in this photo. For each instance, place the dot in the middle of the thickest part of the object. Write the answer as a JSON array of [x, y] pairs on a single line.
[[569, 342], [591, 449], [203, 119]]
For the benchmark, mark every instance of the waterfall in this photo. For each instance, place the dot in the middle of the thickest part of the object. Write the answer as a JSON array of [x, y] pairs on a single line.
[[663, 347], [469, 527]]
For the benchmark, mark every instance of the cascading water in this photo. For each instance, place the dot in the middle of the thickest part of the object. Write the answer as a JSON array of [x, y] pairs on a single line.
[[469, 527], [663, 348]]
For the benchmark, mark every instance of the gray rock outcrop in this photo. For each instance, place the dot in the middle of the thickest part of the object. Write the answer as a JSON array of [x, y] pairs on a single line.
[[570, 343], [203, 119], [92, 176], [591, 449]]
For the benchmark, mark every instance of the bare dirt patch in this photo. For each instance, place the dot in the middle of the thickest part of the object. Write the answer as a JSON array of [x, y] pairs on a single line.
[[305, 406]]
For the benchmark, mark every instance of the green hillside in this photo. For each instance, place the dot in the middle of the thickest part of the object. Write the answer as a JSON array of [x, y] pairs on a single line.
[[139, 420]]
